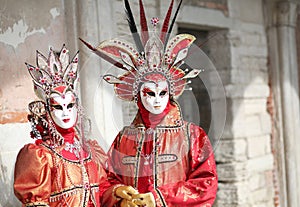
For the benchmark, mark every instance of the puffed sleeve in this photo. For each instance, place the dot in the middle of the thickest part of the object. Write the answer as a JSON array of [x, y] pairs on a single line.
[[32, 177], [100, 158], [200, 187]]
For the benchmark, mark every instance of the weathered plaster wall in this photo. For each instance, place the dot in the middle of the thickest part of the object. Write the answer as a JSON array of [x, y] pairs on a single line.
[[25, 26], [24, 29]]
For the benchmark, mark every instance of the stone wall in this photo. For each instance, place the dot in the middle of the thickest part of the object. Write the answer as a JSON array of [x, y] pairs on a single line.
[[245, 160]]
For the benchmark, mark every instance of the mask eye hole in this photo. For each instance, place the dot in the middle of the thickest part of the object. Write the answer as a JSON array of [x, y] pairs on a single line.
[[57, 107], [70, 105], [163, 93], [150, 93]]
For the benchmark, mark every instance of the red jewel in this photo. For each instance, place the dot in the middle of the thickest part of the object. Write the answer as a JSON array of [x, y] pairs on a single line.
[[38, 142], [108, 78], [39, 128], [71, 74], [64, 51], [86, 186]]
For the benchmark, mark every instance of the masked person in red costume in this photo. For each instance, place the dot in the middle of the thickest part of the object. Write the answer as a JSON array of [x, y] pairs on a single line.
[[160, 159], [60, 168]]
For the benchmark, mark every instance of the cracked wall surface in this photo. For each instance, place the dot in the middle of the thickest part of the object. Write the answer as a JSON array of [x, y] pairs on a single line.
[[24, 29], [25, 26]]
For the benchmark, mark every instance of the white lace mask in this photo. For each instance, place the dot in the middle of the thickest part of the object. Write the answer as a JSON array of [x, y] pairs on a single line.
[[155, 96], [63, 109]]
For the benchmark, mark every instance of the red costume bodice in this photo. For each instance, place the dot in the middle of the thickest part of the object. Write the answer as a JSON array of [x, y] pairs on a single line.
[[174, 161]]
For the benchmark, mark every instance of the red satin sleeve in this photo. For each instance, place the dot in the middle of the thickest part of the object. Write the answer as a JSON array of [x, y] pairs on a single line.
[[32, 177], [200, 187]]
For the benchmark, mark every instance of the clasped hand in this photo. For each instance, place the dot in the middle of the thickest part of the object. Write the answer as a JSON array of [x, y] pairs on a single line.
[[132, 198]]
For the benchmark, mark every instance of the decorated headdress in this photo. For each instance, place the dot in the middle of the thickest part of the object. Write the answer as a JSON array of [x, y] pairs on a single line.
[[53, 74], [154, 58]]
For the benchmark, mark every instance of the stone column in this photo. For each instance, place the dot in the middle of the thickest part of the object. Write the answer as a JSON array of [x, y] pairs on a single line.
[[95, 23], [284, 81], [289, 95]]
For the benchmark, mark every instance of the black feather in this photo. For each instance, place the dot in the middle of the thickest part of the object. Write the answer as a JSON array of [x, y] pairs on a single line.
[[133, 28], [172, 24], [103, 55]]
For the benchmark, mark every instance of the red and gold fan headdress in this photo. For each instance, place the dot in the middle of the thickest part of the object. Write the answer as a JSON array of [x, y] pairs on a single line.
[[154, 58]]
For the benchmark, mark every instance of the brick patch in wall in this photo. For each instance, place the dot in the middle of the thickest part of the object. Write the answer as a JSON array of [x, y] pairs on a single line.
[[271, 111], [13, 117]]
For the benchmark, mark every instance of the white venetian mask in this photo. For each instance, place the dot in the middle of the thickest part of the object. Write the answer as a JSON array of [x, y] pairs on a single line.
[[63, 109], [155, 96]]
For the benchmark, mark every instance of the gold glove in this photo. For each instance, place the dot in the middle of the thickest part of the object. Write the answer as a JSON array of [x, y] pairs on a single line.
[[145, 199], [127, 203], [125, 192]]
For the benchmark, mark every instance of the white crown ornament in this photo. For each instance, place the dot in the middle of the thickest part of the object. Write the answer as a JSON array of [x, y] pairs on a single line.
[[54, 71]]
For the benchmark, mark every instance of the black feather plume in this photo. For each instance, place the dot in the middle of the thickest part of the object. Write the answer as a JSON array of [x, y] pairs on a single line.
[[103, 55], [133, 28], [172, 24]]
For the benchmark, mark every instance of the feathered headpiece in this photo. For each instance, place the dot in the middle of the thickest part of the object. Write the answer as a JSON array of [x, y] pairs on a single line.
[[52, 72], [154, 58]]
